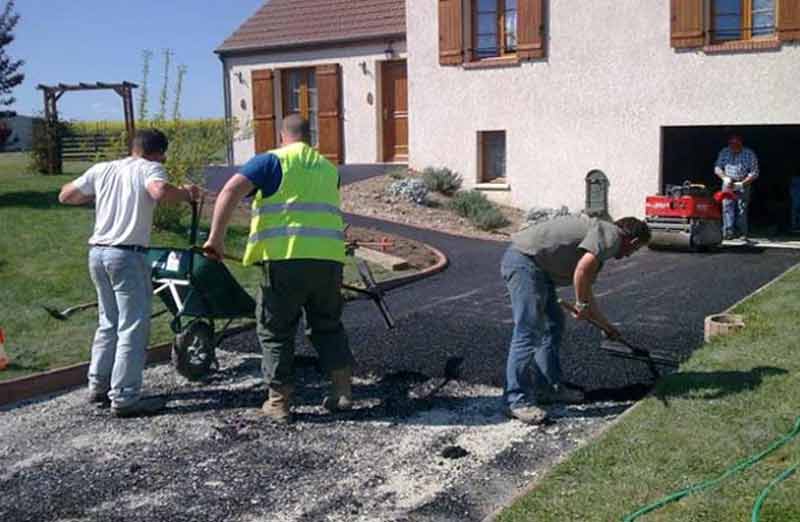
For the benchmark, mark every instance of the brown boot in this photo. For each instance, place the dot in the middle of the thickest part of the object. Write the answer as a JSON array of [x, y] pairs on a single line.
[[341, 395], [277, 405]]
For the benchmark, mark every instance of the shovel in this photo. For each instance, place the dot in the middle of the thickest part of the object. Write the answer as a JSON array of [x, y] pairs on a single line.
[[623, 348], [63, 315]]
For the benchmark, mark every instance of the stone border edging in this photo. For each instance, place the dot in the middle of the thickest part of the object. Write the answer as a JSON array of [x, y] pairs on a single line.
[[60, 379], [441, 263], [492, 517]]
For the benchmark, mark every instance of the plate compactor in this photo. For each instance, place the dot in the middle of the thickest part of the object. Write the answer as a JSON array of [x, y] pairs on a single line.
[[686, 217]]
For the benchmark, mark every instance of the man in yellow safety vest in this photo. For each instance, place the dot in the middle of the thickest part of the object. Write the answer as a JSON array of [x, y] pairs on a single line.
[[297, 235]]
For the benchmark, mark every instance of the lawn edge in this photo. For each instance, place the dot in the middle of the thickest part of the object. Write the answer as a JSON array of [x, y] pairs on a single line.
[[523, 492]]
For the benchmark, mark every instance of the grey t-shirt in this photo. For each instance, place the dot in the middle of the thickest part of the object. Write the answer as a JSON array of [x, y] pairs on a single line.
[[558, 244], [123, 207]]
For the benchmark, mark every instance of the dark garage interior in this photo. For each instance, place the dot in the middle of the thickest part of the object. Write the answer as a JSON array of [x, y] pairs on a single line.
[[689, 153]]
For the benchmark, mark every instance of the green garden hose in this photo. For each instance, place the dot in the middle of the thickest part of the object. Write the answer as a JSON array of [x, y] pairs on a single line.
[[763, 496], [736, 468]]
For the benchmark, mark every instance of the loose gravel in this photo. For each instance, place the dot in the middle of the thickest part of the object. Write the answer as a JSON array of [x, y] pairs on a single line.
[[414, 448]]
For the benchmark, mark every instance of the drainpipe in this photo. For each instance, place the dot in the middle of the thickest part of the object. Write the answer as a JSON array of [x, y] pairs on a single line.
[[226, 89]]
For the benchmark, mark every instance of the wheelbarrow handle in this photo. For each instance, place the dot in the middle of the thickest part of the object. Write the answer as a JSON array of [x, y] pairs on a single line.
[[195, 223]]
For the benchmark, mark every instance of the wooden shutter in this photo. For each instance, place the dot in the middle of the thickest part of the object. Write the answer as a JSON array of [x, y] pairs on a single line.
[[263, 110], [329, 115], [686, 23], [451, 41], [789, 20], [530, 29]]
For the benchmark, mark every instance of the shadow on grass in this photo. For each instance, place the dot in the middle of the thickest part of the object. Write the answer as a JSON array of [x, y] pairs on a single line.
[[30, 199], [714, 385]]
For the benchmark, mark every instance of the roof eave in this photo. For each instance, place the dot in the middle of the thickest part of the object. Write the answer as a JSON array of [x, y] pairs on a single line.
[[315, 44]]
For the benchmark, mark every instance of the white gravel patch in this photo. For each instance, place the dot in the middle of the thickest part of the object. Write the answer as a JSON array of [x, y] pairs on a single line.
[[211, 456]]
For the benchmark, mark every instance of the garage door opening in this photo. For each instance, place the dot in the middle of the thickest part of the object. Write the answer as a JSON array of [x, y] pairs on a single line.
[[689, 153]]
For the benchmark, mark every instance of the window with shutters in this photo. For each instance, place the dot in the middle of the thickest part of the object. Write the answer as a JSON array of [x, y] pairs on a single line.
[[731, 25], [494, 28], [491, 33], [736, 20]]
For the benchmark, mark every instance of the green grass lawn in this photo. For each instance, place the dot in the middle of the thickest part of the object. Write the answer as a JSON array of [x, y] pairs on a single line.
[[43, 261], [731, 400]]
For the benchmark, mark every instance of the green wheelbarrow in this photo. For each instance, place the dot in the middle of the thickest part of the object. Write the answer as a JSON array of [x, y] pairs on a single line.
[[200, 293]]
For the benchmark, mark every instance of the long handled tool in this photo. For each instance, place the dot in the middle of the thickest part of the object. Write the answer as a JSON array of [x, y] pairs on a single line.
[[626, 350], [63, 315], [371, 288]]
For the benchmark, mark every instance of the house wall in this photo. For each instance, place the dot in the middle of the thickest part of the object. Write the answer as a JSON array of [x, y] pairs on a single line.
[[21, 137], [360, 94], [609, 82]]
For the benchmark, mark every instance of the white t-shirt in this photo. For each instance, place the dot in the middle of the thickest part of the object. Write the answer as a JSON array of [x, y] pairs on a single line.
[[123, 207]]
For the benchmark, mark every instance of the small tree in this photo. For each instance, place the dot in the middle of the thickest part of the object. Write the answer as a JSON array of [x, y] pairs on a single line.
[[10, 76]]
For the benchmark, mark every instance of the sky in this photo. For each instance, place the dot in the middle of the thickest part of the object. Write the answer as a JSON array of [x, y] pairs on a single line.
[[71, 41]]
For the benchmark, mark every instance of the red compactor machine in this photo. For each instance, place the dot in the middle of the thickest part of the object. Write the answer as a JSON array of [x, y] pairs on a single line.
[[687, 216]]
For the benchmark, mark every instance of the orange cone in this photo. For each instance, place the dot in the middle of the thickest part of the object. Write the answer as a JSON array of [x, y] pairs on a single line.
[[3, 356]]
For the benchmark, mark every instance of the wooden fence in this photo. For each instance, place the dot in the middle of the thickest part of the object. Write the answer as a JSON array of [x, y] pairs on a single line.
[[84, 147]]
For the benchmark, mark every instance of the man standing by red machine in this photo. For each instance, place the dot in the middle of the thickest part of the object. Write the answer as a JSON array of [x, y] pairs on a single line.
[[737, 167]]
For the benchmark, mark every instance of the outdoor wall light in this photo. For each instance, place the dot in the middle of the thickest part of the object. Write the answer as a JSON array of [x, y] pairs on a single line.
[[389, 51]]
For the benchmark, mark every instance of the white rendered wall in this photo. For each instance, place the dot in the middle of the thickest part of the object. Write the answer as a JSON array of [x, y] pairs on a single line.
[[360, 94], [609, 82]]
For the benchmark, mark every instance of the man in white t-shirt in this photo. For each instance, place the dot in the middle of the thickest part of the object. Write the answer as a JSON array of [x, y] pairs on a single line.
[[125, 193]]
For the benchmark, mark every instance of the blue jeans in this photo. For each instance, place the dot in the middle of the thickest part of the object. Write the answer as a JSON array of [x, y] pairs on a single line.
[[124, 297], [734, 215], [538, 328]]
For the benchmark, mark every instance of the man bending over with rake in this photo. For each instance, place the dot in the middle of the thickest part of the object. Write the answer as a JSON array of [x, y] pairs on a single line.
[[559, 252]]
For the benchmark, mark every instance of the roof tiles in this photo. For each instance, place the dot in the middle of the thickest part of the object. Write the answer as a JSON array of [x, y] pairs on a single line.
[[289, 23]]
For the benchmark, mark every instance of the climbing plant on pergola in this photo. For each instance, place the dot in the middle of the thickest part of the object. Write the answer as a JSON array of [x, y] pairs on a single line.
[[52, 93]]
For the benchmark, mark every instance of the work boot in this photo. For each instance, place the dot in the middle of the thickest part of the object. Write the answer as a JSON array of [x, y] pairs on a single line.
[[141, 408], [341, 395], [527, 413], [279, 400], [98, 399], [559, 394]]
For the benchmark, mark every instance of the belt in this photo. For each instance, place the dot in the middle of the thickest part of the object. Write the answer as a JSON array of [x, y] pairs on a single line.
[[134, 248]]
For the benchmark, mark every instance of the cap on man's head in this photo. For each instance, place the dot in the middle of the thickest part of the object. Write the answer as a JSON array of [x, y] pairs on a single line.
[[735, 138]]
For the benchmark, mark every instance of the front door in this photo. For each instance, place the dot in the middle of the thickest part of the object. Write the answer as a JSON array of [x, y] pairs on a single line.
[[300, 97], [395, 111]]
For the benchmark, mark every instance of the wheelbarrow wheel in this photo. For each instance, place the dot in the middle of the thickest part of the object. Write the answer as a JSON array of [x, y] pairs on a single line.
[[193, 351]]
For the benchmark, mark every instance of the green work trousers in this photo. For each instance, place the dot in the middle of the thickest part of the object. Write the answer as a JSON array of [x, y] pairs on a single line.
[[289, 288]]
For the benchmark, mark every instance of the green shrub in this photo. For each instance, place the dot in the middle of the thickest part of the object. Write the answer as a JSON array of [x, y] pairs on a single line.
[[489, 219], [397, 173], [474, 206], [442, 180], [38, 158]]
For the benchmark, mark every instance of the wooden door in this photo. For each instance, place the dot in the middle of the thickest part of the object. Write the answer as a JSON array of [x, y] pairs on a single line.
[[395, 111]]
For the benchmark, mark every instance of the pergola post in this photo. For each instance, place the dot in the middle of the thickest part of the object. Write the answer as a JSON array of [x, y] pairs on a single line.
[[51, 131], [51, 96]]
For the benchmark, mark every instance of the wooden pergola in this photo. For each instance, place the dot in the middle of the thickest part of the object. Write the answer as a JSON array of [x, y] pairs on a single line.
[[52, 93]]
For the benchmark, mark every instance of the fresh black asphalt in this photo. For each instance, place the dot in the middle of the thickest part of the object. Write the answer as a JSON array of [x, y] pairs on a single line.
[[658, 299]]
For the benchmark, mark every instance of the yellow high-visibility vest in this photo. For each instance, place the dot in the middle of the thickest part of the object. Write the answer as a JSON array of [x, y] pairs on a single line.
[[302, 220]]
